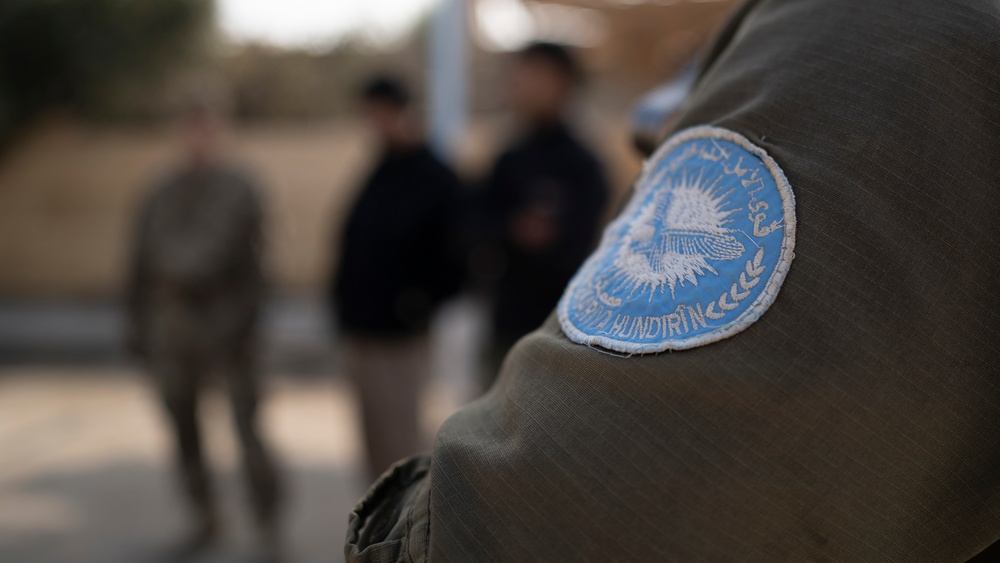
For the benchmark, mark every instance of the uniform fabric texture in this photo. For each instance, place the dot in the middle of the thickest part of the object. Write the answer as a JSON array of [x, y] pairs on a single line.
[[859, 418]]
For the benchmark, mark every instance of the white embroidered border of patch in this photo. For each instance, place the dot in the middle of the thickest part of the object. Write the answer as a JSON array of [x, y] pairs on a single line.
[[764, 299]]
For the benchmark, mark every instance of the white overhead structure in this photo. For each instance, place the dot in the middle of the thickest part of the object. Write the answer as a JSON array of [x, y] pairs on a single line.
[[506, 25]]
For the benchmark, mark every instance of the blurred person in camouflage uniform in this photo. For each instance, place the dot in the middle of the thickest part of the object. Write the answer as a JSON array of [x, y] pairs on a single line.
[[193, 299]]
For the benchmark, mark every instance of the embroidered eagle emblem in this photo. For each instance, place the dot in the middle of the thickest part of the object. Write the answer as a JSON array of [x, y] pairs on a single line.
[[676, 236]]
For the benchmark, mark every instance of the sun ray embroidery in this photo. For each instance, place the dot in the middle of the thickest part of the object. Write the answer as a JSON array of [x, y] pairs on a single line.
[[675, 236]]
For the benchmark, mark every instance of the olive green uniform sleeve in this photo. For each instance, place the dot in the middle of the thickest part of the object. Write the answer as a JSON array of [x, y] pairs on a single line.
[[391, 523]]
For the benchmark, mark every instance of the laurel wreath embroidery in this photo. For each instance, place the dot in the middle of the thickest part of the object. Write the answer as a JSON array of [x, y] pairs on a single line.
[[741, 289]]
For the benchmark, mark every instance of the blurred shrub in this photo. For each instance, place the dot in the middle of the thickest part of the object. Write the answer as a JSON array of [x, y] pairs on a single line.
[[78, 53]]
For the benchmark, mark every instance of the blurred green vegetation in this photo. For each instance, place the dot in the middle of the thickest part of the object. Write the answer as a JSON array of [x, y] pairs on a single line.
[[136, 61], [82, 55]]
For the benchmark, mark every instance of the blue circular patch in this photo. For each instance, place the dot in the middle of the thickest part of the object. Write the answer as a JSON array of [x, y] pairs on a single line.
[[697, 256]]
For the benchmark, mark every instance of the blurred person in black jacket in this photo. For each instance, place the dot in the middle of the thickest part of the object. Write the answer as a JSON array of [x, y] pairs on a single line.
[[395, 268], [543, 200]]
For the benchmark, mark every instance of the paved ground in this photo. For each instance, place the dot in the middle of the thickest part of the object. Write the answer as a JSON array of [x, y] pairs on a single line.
[[85, 474], [85, 467]]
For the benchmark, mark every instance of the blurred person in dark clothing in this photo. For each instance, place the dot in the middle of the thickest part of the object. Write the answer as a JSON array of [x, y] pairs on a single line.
[[193, 299], [543, 200], [395, 268]]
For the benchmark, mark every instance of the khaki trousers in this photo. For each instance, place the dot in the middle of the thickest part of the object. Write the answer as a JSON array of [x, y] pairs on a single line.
[[389, 376]]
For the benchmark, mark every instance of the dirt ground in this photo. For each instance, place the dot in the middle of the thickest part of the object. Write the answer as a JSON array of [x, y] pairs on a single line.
[[86, 472]]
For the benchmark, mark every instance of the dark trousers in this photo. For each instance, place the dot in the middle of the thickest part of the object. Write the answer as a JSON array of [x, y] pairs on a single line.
[[181, 378]]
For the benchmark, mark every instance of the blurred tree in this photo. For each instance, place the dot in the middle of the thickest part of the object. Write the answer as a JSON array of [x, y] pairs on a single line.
[[73, 53]]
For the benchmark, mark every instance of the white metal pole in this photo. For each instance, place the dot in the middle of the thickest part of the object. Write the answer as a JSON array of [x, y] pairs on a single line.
[[447, 78]]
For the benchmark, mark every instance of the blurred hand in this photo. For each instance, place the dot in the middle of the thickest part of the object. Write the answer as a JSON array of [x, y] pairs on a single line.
[[534, 229]]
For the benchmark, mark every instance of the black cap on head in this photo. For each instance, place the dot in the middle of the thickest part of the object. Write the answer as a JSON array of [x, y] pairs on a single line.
[[557, 55], [386, 88]]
